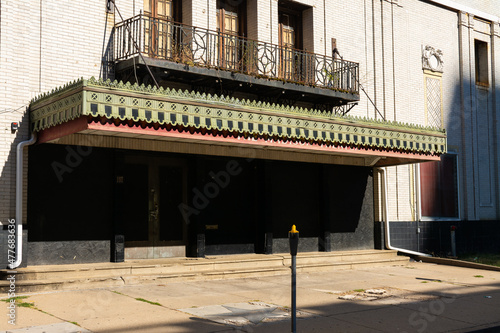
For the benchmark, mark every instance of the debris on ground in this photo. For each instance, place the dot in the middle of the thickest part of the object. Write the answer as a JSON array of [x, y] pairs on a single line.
[[376, 291], [364, 295]]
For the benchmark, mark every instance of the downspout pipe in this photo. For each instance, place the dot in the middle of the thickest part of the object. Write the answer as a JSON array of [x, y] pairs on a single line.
[[417, 190], [418, 199], [19, 199], [383, 173]]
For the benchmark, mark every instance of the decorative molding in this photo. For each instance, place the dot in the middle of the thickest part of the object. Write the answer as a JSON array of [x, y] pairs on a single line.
[[59, 109], [433, 101], [169, 94], [452, 4], [394, 2], [495, 29], [482, 26], [432, 73], [168, 108], [471, 20], [463, 19], [432, 59]]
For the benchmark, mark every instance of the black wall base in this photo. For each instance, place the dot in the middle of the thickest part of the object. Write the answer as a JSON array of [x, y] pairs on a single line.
[[379, 235], [325, 242], [435, 236], [306, 244], [229, 249], [118, 249], [200, 245], [268, 243], [68, 252]]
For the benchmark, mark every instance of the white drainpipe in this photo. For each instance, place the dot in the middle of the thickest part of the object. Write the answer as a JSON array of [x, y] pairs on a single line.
[[19, 200], [417, 190], [383, 172]]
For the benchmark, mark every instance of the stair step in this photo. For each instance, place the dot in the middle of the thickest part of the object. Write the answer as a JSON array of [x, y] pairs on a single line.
[[65, 277]]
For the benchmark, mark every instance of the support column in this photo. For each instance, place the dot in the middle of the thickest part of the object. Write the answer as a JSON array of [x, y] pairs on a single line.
[[263, 237], [118, 238], [466, 100], [495, 83], [267, 205], [198, 225], [325, 243]]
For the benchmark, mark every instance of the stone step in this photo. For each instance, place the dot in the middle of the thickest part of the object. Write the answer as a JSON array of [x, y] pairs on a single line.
[[351, 265], [142, 267], [320, 257], [65, 277], [181, 265]]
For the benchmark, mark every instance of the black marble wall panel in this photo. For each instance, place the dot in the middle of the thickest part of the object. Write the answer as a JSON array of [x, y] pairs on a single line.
[[306, 244], [68, 252]]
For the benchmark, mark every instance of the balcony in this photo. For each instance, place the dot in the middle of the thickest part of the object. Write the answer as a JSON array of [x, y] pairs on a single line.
[[205, 60]]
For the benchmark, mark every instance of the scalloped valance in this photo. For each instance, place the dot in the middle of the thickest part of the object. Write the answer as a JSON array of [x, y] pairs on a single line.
[[163, 109]]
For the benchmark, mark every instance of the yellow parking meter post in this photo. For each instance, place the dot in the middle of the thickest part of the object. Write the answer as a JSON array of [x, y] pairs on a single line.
[[293, 236]]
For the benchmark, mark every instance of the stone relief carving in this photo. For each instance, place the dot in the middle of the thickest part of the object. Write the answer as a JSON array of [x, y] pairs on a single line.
[[432, 59]]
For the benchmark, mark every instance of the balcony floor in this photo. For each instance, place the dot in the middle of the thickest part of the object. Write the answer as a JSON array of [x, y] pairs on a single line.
[[224, 82]]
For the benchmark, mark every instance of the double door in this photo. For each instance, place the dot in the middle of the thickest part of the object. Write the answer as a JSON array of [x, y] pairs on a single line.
[[153, 192]]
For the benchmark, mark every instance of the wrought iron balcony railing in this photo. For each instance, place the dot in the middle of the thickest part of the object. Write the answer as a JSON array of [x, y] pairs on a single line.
[[167, 40]]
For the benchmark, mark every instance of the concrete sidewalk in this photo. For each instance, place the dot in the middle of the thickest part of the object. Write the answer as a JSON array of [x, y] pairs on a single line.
[[418, 297]]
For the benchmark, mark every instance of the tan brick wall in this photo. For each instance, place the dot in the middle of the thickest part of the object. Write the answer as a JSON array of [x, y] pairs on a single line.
[[203, 14], [44, 47], [187, 12], [387, 40], [253, 19]]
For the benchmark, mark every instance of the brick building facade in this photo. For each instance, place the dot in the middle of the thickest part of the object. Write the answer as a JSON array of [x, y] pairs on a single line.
[[426, 65]]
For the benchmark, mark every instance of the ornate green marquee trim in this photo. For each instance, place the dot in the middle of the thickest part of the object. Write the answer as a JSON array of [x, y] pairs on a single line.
[[124, 101]]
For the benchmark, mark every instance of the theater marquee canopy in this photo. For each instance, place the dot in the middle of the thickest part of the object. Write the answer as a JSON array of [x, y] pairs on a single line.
[[181, 121]]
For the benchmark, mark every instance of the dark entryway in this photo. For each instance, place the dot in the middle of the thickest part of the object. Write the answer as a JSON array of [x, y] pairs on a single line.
[[153, 190], [225, 197], [82, 200]]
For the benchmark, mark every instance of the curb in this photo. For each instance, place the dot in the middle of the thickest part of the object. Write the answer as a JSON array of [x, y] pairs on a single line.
[[458, 263]]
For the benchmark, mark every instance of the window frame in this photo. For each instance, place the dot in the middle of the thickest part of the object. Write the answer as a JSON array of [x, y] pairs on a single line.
[[481, 63], [458, 194]]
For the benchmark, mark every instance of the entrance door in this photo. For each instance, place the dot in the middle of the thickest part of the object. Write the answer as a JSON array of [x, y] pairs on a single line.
[[231, 23], [153, 224], [158, 28], [295, 64], [227, 26], [287, 45]]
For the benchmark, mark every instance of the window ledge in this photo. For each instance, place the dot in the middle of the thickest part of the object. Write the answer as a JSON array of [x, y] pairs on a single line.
[[484, 86], [439, 219]]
